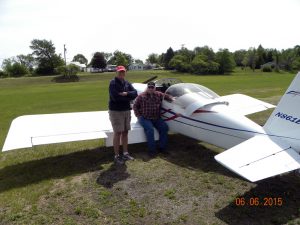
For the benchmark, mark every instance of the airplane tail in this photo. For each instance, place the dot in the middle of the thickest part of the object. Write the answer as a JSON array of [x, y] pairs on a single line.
[[275, 152], [285, 119]]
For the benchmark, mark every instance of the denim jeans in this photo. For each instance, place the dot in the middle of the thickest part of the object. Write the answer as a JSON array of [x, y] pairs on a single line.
[[162, 129]]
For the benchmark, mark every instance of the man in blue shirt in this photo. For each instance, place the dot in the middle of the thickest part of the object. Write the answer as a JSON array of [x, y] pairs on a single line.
[[121, 92]]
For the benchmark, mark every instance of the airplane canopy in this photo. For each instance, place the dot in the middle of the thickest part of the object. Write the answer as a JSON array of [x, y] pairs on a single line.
[[192, 96], [177, 90]]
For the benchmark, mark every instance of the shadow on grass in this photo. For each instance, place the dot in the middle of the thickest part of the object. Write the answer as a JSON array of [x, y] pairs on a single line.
[[113, 175], [185, 152], [268, 211], [35, 171]]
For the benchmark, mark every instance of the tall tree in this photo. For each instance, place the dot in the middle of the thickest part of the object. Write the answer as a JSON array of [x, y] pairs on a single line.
[[167, 58], [98, 61], [152, 58], [26, 60], [187, 53], [121, 58], [80, 58], [225, 60], [239, 55], [47, 59], [261, 57], [250, 58], [207, 51]]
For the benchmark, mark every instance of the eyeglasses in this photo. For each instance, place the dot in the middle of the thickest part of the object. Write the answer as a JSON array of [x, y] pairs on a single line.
[[151, 87]]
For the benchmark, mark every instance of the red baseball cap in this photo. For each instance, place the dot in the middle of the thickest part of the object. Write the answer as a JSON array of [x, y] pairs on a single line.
[[121, 68]]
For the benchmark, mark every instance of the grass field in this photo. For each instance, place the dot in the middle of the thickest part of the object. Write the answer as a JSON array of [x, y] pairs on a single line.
[[77, 183]]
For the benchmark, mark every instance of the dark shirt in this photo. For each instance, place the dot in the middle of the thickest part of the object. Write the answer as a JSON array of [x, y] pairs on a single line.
[[148, 105], [116, 101]]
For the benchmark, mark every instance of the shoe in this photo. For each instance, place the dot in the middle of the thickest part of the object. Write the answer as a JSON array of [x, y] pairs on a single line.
[[127, 157], [119, 160]]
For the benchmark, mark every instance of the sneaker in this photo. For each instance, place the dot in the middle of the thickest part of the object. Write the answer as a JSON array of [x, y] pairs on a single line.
[[119, 160], [127, 157]]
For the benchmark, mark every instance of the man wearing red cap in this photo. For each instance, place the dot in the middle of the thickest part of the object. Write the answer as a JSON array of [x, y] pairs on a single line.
[[121, 92]]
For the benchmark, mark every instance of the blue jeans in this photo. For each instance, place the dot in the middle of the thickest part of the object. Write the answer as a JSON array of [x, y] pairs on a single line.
[[162, 129]]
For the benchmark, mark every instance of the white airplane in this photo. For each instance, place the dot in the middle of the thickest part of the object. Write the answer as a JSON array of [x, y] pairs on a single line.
[[254, 152]]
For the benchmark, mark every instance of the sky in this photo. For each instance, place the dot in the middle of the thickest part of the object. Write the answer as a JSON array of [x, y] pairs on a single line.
[[142, 27]]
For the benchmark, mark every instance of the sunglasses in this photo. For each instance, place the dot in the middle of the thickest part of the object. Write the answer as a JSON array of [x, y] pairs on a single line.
[[151, 87]]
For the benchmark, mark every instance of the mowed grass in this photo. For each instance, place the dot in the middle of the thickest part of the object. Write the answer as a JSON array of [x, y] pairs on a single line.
[[77, 183]]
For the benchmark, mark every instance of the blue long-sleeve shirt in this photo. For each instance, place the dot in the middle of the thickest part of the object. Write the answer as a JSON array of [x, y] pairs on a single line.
[[116, 101]]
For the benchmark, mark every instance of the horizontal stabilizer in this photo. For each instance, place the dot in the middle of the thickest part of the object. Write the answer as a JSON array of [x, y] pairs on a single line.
[[260, 157], [245, 105]]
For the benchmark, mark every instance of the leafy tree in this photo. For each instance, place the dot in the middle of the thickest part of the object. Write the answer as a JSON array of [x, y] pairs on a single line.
[[98, 61], [207, 51], [276, 58], [167, 58], [138, 61], [261, 57], [46, 58], [80, 58], [202, 65], [13, 68], [188, 54], [107, 56], [287, 58], [161, 59], [250, 58], [180, 63], [27, 60], [238, 56], [296, 64], [121, 58], [225, 60], [269, 55], [297, 50], [152, 58]]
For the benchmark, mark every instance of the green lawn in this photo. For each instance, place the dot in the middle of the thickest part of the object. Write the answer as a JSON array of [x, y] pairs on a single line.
[[77, 183]]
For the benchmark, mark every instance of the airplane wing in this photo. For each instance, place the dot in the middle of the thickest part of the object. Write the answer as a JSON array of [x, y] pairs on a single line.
[[31, 130], [244, 104], [260, 157]]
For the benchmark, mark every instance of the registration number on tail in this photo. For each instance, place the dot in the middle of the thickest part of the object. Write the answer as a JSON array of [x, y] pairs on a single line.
[[288, 117]]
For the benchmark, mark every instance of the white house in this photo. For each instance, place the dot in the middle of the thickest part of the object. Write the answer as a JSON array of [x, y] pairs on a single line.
[[136, 66]]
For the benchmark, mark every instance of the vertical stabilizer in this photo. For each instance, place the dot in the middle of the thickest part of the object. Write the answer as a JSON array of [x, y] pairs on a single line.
[[285, 119]]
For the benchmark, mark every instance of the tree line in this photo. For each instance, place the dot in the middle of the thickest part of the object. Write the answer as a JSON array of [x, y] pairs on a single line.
[[201, 60]]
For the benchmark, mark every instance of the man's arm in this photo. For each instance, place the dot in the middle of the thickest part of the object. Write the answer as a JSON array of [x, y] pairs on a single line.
[[132, 92], [166, 97], [115, 95], [137, 107]]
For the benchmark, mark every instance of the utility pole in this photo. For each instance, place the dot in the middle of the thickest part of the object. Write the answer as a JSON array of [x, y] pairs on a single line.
[[65, 54]]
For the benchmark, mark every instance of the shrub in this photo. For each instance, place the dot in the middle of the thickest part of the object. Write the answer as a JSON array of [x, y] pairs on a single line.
[[67, 73], [267, 69]]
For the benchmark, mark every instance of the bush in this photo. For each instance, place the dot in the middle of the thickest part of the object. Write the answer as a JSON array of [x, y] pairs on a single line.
[[67, 73], [267, 69], [69, 70]]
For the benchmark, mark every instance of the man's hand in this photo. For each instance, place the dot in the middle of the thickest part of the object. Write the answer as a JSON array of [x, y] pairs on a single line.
[[123, 93]]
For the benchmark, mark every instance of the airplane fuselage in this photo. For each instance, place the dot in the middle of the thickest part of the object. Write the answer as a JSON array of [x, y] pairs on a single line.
[[213, 124]]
